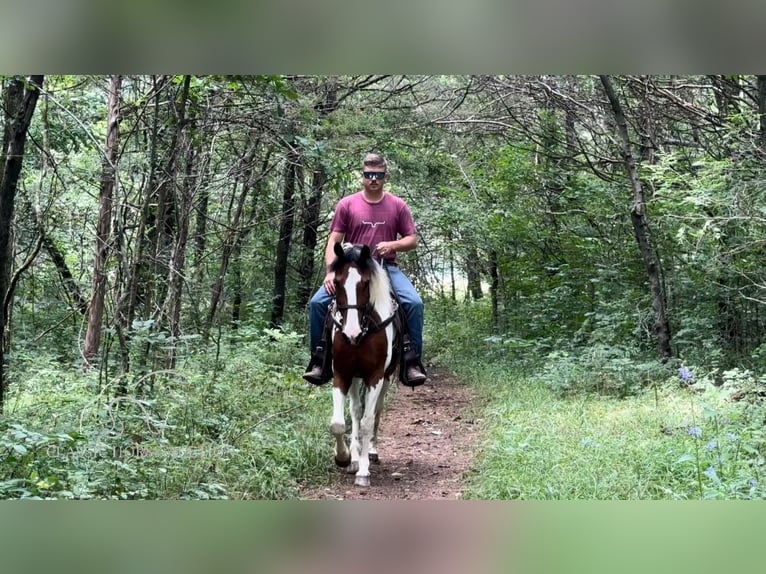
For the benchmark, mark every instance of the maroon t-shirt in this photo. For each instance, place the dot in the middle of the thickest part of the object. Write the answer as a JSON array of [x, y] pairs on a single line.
[[370, 223]]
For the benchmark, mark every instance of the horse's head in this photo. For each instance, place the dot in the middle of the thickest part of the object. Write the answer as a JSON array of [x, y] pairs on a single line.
[[354, 270]]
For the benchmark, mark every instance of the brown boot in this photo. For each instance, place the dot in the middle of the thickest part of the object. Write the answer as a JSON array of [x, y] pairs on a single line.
[[414, 375]]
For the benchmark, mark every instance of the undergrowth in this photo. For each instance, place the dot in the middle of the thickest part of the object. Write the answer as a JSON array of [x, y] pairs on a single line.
[[604, 421], [232, 423]]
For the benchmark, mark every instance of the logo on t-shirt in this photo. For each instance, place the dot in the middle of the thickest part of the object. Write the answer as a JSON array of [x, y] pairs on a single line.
[[373, 224]]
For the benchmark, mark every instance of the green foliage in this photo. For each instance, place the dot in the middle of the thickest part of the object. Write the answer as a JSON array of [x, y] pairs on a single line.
[[600, 369], [240, 425], [598, 421]]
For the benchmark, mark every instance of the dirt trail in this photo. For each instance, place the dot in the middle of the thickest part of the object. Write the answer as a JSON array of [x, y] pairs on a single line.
[[426, 444]]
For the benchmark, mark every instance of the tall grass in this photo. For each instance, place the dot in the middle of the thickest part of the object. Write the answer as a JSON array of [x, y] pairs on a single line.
[[235, 423], [604, 423]]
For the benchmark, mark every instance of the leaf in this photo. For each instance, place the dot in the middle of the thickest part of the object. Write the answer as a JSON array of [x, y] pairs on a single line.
[[685, 458], [20, 449]]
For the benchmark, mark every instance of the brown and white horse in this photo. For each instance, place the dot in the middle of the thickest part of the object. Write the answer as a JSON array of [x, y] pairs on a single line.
[[364, 353]]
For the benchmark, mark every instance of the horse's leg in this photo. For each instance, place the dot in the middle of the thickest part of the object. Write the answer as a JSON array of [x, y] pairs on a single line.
[[366, 430], [373, 455], [356, 417], [338, 426]]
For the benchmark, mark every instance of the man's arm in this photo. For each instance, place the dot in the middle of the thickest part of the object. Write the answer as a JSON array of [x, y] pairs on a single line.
[[329, 257], [406, 243]]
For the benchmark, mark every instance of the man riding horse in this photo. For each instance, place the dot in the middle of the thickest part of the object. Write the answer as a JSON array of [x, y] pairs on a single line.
[[382, 221]]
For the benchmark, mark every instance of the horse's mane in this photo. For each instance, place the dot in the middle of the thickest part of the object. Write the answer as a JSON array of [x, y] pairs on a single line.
[[380, 286]]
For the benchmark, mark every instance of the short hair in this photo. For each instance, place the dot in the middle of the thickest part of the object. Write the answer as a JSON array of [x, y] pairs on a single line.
[[374, 160]]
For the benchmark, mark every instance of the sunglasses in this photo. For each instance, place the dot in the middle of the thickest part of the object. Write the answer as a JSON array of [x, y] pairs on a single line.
[[374, 174]]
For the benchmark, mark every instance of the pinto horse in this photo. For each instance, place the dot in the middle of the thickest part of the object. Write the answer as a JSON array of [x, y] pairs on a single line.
[[364, 352]]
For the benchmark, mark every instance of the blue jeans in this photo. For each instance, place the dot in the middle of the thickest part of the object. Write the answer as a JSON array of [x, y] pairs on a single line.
[[408, 297]]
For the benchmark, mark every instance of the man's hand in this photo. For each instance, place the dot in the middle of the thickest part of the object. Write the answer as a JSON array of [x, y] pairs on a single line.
[[329, 282], [385, 248]]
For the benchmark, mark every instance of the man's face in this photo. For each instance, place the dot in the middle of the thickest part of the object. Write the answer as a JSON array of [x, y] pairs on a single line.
[[373, 177]]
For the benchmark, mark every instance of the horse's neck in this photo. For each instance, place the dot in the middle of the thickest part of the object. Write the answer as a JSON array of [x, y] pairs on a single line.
[[381, 295]]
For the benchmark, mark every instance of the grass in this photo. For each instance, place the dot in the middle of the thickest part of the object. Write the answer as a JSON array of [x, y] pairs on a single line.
[[240, 425], [666, 443]]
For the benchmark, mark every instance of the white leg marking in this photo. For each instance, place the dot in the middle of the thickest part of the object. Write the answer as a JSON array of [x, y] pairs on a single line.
[[378, 412], [356, 416], [367, 428], [338, 424]]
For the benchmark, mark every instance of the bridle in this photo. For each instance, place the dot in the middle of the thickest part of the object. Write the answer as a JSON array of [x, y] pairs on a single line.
[[367, 322]]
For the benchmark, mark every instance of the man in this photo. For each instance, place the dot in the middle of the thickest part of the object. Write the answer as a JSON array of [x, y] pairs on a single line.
[[383, 221]]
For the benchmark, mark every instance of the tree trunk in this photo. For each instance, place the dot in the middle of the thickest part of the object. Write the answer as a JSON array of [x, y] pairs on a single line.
[[494, 288], [652, 264], [20, 106], [71, 288], [138, 284], [762, 112], [233, 238], [473, 275], [310, 229], [167, 222], [104, 228], [178, 262], [285, 236], [311, 209]]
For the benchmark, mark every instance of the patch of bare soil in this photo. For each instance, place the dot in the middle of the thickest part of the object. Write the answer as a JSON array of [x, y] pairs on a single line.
[[427, 439]]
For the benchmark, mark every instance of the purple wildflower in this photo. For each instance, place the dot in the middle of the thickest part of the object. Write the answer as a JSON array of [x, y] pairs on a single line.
[[711, 473], [696, 432], [753, 483], [685, 375], [712, 445]]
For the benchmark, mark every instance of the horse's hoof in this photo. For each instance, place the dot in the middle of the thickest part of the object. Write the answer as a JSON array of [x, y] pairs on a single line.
[[362, 481], [353, 468], [337, 429], [343, 463], [374, 458]]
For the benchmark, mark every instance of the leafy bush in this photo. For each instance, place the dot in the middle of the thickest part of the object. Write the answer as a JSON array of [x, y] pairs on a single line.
[[602, 369], [236, 422]]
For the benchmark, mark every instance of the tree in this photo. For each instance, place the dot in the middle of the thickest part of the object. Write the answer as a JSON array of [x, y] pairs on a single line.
[[104, 226], [21, 100], [638, 216]]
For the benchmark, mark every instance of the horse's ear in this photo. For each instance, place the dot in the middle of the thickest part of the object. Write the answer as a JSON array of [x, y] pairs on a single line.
[[338, 249], [365, 253]]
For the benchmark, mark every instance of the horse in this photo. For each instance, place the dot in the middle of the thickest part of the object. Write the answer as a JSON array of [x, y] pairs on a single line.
[[365, 351]]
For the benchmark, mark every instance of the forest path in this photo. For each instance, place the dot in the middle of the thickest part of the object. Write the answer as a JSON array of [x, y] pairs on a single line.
[[427, 441]]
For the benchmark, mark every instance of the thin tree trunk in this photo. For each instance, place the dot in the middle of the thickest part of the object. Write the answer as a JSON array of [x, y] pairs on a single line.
[[638, 217], [104, 228], [473, 275], [311, 209], [167, 223], [236, 255], [20, 104], [177, 269], [139, 280], [494, 288], [230, 244], [71, 288], [762, 112], [285, 237], [310, 229]]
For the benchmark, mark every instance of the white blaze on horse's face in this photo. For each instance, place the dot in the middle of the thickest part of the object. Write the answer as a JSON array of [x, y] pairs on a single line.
[[352, 328]]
